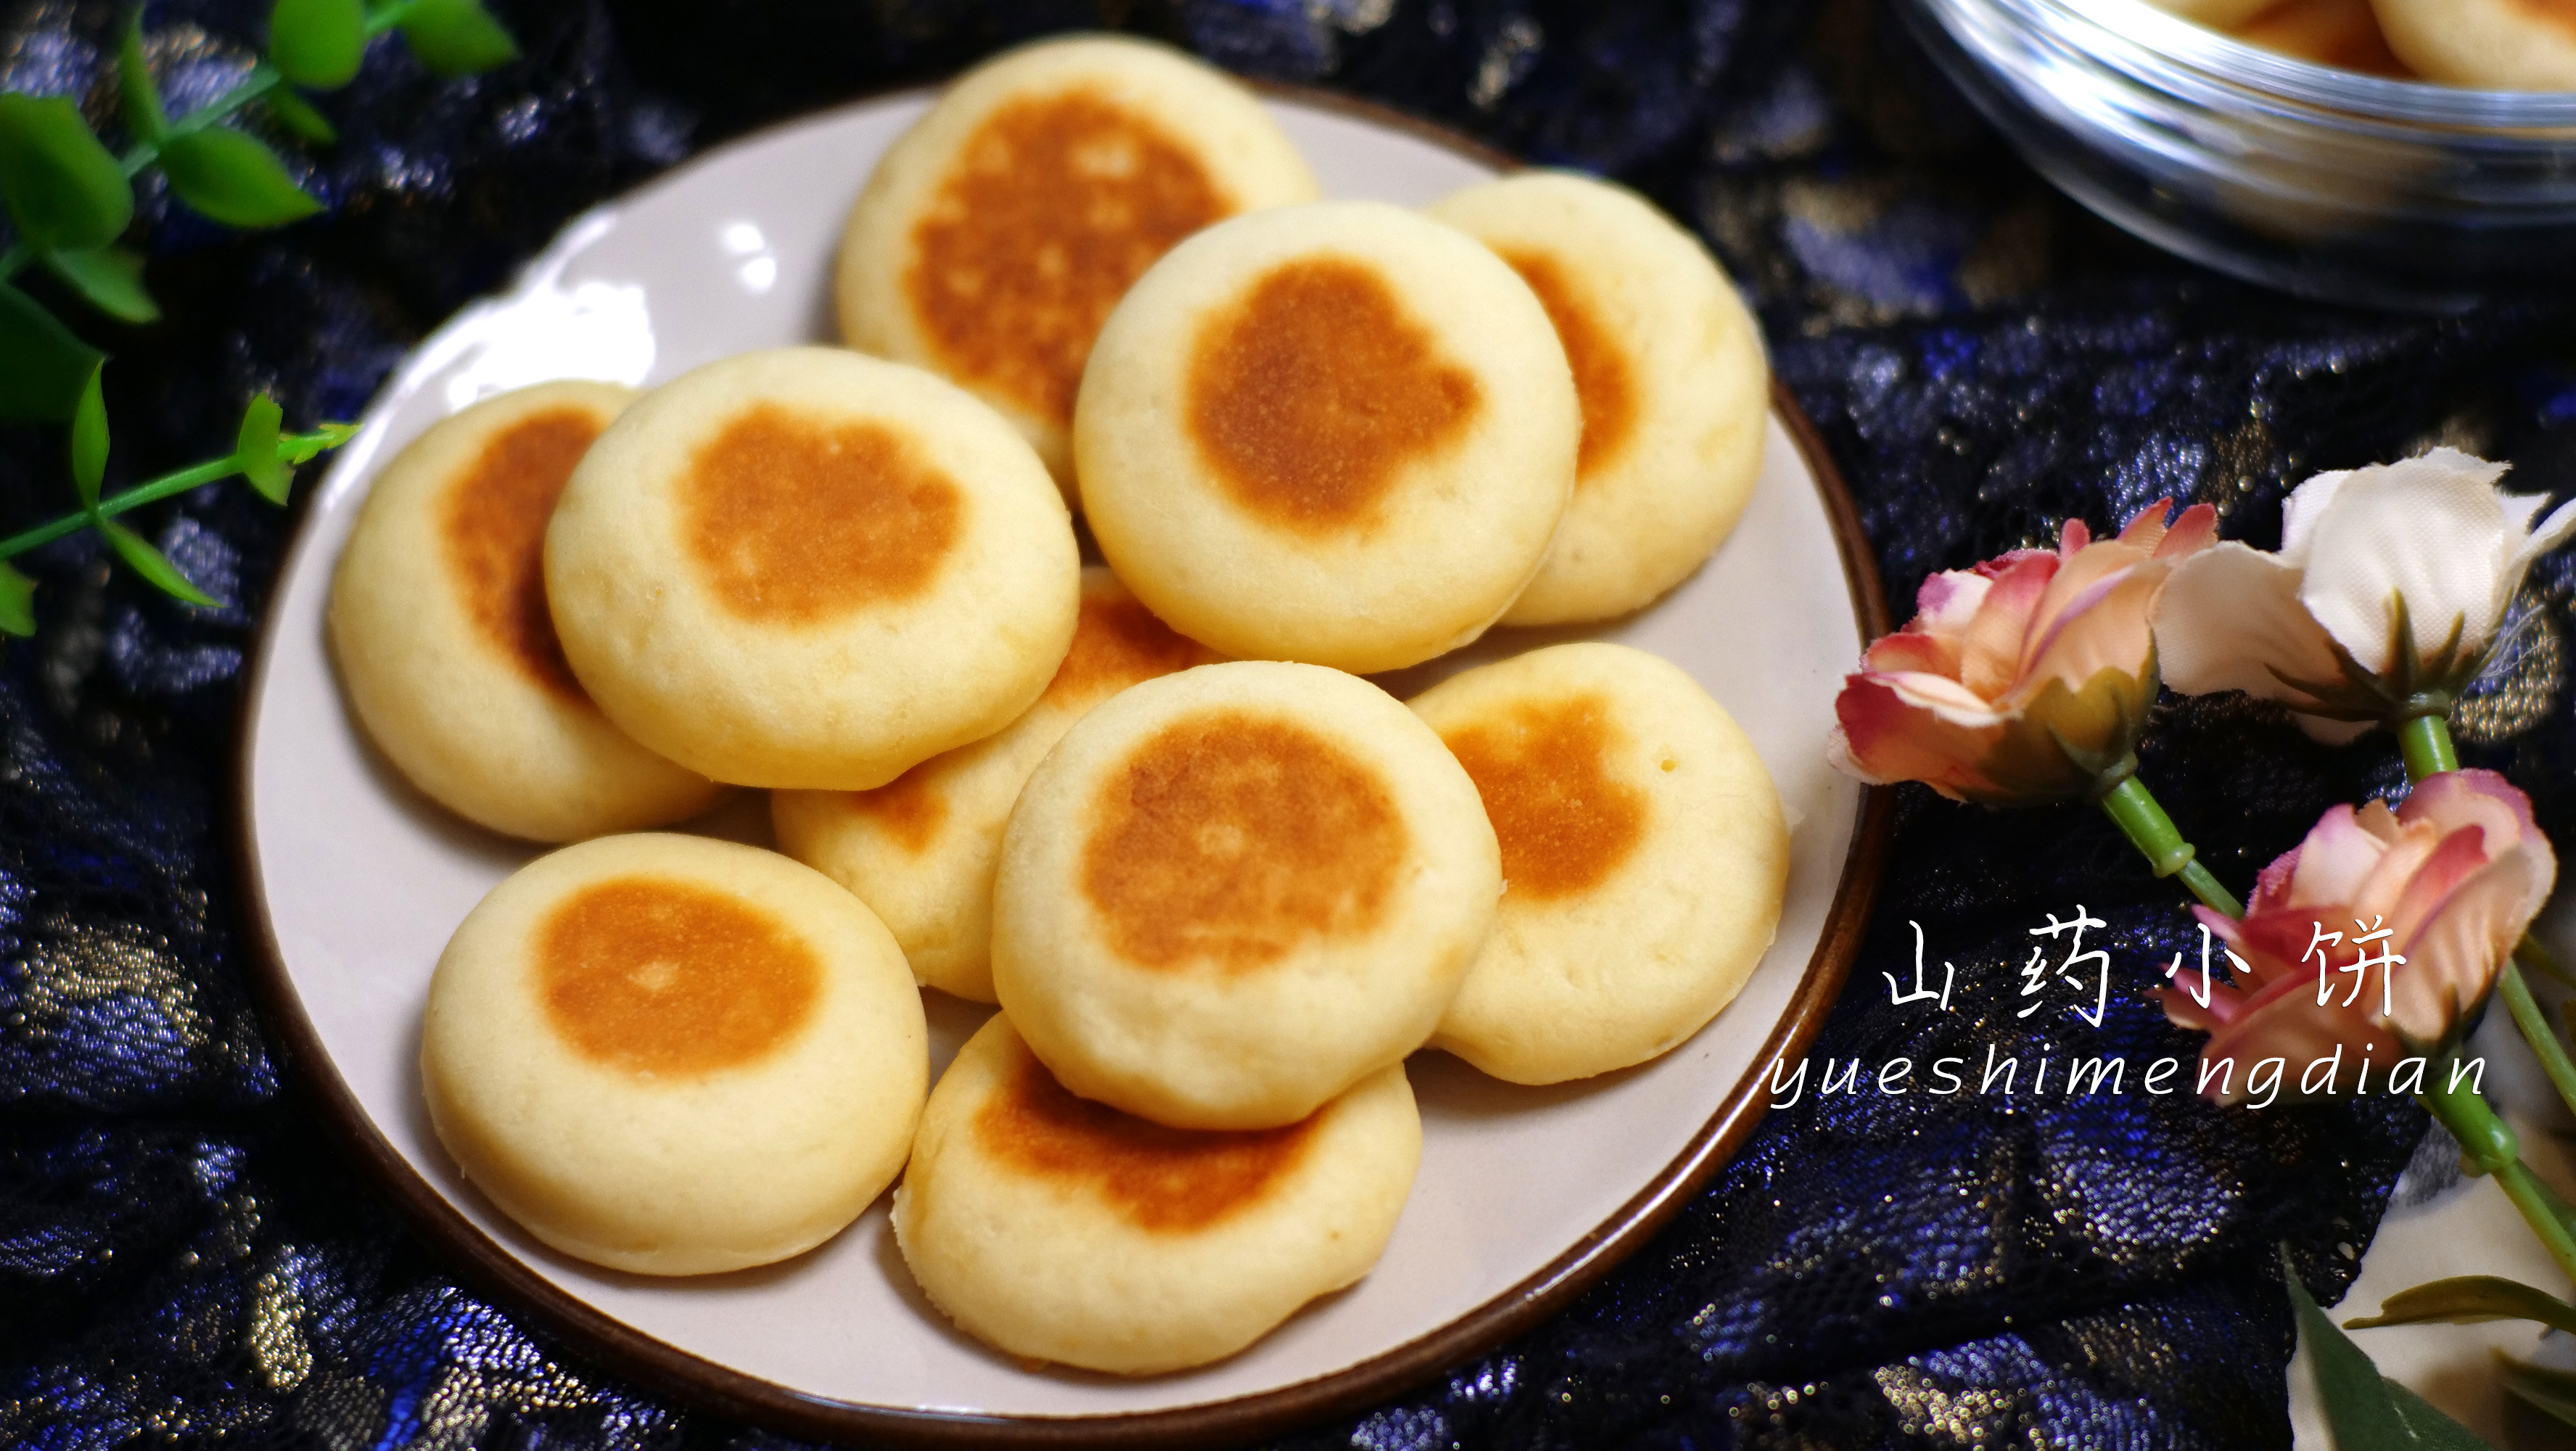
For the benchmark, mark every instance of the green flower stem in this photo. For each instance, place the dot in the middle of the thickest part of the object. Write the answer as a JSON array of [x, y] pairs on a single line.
[[2135, 809], [2536, 1031], [2540, 959], [2487, 1141], [386, 17], [263, 79], [294, 448], [18, 255], [2488, 1145], [2426, 742]]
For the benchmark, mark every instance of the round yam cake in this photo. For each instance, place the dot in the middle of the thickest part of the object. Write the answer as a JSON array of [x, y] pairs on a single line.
[[997, 233], [1668, 366], [2344, 34], [812, 569], [1229, 894], [1644, 859], [2503, 45], [1339, 433], [1058, 1229], [440, 633], [674, 1056], [921, 850], [2216, 14]]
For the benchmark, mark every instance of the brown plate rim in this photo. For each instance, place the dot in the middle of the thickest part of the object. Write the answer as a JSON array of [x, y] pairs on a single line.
[[613, 1346]]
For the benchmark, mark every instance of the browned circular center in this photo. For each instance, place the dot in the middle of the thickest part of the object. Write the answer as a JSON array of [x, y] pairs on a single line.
[[1233, 838], [1117, 643], [669, 979], [910, 808], [793, 519], [1052, 209], [1603, 382], [494, 526], [1165, 1181], [1563, 822], [1312, 392]]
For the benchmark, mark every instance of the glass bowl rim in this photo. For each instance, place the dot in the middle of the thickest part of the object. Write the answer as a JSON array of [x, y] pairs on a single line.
[[2158, 47]]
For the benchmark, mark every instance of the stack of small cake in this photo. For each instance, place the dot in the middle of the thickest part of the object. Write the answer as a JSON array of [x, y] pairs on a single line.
[[1220, 885]]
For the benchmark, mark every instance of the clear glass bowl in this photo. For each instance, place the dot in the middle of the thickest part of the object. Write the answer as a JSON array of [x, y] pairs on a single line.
[[2324, 182]]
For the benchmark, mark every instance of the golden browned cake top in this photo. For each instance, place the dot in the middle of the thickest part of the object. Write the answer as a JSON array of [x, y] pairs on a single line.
[[2559, 13], [794, 519], [669, 979], [1312, 391], [1165, 1181], [1563, 822], [1603, 380], [910, 808], [494, 526], [1117, 642], [2340, 33], [1052, 209], [1234, 839]]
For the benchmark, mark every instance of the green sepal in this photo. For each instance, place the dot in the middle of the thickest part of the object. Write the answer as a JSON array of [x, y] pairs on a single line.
[[255, 450], [142, 95], [233, 178], [153, 565], [2366, 1410], [2467, 1299], [109, 279], [63, 188], [456, 37], [89, 437], [2546, 1390], [2414, 684], [318, 43], [17, 602], [42, 365], [293, 113]]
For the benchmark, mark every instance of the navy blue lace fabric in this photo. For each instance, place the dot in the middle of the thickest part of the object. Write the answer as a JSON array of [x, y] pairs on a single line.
[[184, 1258]]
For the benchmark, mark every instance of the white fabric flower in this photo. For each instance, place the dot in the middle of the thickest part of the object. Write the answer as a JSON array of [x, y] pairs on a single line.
[[2430, 540]]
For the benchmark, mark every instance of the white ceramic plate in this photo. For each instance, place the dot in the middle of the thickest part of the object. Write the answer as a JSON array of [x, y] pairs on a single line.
[[1525, 1195]]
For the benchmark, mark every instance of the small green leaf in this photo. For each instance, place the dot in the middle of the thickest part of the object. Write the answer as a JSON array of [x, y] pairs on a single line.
[[2433, 1430], [2551, 1392], [2471, 1298], [110, 278], [256, 450], [304, 447], [318, 43], [17, 602], [143, 114], [456, 37], [2359, 1409], [152, 564], [295, 115], [42, 365], [89, 437], [62, 187], [233, 179]]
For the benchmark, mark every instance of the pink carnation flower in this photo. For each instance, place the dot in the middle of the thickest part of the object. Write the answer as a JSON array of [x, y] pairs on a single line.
[[2025, 679], [2453, 876]]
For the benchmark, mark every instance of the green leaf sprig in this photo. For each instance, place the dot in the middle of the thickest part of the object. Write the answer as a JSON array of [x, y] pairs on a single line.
[[262, 454], [70, 202]]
